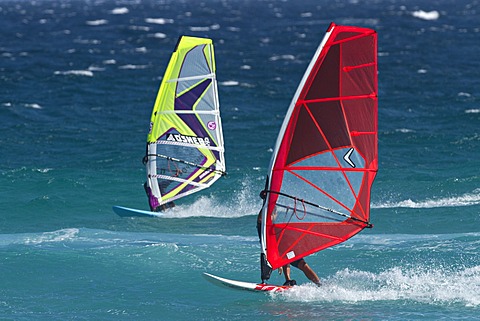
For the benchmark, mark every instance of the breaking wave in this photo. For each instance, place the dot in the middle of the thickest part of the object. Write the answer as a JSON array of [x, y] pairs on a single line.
[[467, 199], [423, 284]]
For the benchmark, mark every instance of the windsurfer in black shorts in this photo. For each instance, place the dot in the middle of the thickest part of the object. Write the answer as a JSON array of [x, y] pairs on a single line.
[[299, 264]]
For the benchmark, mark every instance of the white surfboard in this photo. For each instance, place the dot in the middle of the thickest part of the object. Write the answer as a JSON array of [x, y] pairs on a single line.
[[240, 285], [126, 211]]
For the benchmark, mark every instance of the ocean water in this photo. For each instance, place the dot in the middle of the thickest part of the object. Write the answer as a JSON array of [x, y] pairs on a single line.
[[77, 83]]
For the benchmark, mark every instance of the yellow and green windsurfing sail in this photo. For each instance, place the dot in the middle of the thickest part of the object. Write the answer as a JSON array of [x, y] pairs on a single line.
[[185, 150]]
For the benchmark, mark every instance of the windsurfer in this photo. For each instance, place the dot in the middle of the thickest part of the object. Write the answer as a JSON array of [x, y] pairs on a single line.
[[155, 206], [299, 264]]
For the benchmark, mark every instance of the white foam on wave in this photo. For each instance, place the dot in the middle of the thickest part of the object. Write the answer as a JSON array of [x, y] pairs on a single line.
[[139, 28], [132, 67], [282, 57], [34, 106], [87, 73], [98, 22], [85, 42], [464, 94], [423, 284], [426, 15], [52, 237], [205, 28], [404, 130], [158, 21], [229, 83], [159, 35], [243, 203], [472, 111], [234, 83], [96, 68], [80, 238], [122, 10], [467, 199]]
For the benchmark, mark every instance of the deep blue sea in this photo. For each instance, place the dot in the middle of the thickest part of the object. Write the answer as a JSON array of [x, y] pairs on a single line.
[[78, 80]]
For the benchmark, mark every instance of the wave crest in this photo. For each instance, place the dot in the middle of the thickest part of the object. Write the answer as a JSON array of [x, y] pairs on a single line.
[[467, 199], [428, 285]]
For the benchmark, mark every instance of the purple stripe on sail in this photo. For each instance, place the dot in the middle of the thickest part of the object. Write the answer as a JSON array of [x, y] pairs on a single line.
[[186, 102]]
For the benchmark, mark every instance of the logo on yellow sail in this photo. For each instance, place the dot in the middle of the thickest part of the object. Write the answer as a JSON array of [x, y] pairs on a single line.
[[194, 140]]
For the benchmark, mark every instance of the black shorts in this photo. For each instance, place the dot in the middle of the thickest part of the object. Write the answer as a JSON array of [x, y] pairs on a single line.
[[295, 263]]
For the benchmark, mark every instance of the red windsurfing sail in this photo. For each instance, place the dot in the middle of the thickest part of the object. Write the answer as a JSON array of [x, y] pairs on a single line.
[[325, 158]]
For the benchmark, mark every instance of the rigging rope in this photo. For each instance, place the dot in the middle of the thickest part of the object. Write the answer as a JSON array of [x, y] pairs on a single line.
[[264, 192]]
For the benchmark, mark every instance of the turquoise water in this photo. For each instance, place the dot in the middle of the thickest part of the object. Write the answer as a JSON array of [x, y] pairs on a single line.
[[77, 83]]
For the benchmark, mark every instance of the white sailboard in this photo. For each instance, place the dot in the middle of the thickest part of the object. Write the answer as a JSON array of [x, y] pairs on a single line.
[[241, 285]]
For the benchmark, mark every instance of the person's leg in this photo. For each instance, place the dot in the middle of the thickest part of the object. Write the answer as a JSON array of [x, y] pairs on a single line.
[[309, 273], [286, 273]]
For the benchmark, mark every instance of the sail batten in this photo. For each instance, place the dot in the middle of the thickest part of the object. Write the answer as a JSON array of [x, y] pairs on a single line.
[[205, 112], [185, 149], [212, 76], [325, 158], [370, 96], [215, 148]]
